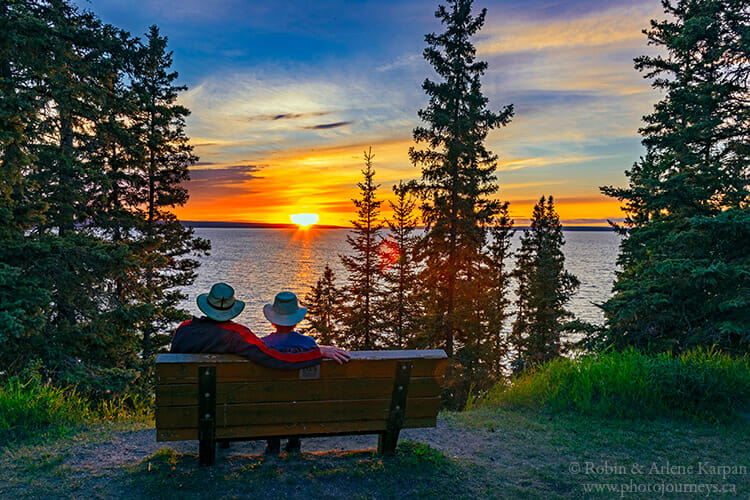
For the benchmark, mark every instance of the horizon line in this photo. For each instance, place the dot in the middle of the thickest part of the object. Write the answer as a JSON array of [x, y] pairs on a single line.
[[602, 226]]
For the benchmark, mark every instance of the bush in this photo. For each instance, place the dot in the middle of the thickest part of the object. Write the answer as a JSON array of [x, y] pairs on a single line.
[[701, 383]]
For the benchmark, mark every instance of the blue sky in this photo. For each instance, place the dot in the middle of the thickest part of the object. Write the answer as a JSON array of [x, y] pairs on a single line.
[[285, 96]]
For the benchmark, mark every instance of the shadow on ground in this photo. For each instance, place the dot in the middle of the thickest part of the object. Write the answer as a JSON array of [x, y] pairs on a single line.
[[416, 471]]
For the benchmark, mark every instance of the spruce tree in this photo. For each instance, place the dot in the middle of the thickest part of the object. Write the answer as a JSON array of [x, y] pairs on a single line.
[[544, 287], [458, 172], [24, 296], [165, 157], [399, 308], [364, 276], [323, 303], [684, 277], [498, 291], [73, 234], [74, 62]]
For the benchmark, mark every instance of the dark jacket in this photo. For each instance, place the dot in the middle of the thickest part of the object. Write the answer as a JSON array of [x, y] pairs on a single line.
[[203, 335]]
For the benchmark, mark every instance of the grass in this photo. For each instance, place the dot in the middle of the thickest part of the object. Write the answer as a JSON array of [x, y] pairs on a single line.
[[522, 453], [543, 453], [416, 471], [701, 384], [565, 431], [32, 410]]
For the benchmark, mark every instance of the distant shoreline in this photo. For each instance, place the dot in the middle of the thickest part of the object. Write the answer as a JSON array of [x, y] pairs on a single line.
[[268, 225]]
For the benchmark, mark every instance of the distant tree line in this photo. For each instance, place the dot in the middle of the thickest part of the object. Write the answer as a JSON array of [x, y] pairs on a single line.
[[685, 254], [93, 154]]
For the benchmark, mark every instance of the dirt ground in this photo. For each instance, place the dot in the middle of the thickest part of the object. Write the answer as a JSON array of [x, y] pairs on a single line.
[[452, 439], [492, 453]]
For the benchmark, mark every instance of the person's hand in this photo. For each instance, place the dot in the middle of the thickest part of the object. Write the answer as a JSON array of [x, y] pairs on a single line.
[[340, 356]]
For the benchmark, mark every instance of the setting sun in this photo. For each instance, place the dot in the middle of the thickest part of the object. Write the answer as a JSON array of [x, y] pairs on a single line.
[[304, 220]]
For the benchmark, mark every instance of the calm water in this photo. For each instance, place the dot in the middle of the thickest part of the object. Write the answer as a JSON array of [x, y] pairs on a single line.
[[259, 263]]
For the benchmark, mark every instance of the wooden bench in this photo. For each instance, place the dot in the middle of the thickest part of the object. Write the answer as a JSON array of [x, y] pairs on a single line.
[[224, 396]]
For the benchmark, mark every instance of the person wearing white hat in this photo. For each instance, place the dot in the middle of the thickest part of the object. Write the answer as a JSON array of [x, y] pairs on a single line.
[[285, 314]]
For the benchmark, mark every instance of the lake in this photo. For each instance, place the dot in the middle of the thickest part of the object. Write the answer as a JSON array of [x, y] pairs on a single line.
[[259, 263]]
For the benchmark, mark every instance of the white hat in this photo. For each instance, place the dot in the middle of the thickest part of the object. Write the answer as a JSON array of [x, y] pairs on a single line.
[[285, 310]]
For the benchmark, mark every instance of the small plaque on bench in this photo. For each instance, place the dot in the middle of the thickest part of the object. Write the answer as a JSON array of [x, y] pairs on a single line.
[[310, 373]]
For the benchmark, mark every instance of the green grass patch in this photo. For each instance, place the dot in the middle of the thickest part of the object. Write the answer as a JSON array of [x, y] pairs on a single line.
[[33, 410], [547, 454], [703, 384]]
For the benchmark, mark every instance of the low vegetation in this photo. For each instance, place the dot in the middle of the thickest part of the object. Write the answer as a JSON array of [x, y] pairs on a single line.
[[32, 410], [703, 384], [490, 452]]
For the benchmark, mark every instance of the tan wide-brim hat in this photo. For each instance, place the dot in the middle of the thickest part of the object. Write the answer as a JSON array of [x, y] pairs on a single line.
[[285, 310], [219, 304]]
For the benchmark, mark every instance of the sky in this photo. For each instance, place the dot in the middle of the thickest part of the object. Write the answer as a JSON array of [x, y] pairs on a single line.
[[285, 97]]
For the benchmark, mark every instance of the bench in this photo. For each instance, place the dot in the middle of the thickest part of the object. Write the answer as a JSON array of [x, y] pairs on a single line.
[[212, 397]]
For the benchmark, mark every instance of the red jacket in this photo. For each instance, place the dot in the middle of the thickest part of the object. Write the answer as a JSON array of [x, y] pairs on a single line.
[[203, 335]]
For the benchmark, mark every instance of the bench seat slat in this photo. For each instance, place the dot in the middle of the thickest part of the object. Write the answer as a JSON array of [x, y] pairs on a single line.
[[173, 373], [294, 390], [178, 417], [203, 358], [250, 432]]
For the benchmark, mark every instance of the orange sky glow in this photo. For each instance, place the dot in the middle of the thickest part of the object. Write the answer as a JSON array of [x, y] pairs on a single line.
[[275, 141], [323, 181]]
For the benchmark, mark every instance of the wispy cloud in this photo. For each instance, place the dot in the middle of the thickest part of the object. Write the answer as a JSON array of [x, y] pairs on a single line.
[[325, 126], [617, 27], [568, 72], [254, 115], [515, 164], [289, 116]]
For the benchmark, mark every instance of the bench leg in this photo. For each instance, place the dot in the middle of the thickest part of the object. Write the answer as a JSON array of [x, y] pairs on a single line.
[[387, 442], [207, 414], [207, 449]]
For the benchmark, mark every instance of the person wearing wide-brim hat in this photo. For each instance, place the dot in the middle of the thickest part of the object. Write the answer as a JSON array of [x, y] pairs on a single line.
[[219, 303], [285, 310], [215, 333], [285, 314]]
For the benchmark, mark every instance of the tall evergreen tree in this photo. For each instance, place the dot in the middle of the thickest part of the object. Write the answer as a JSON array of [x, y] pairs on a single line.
[[86, 341], [24, 296], [457, 170], [74, 237], [323, 303], [544, 287], [399, 307], [684, 280], [165, 157], [363, 288], [498, 291]]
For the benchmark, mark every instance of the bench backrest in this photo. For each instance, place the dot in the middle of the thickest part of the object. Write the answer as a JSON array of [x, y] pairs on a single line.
[[254, 402]]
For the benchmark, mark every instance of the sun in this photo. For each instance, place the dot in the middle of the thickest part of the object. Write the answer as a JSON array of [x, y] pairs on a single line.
[[304, 220]]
